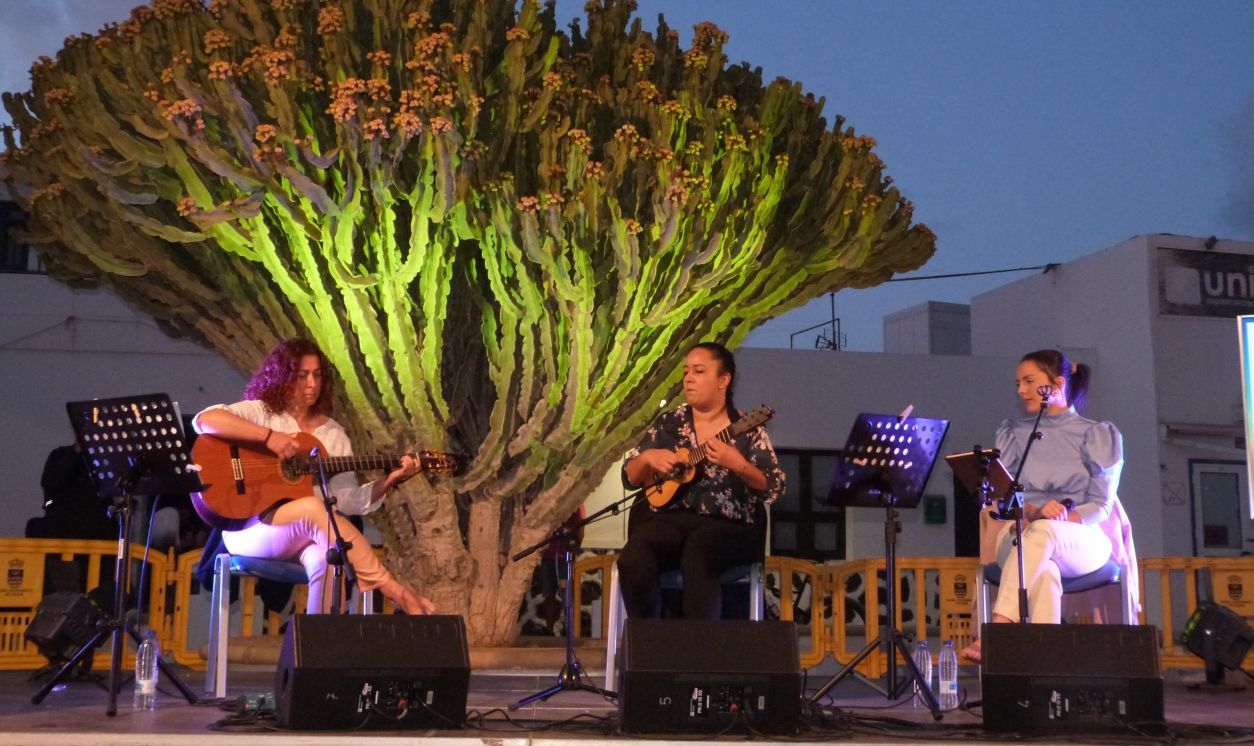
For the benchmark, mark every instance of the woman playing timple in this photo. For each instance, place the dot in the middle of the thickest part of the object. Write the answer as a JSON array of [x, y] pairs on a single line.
[[712, 528]]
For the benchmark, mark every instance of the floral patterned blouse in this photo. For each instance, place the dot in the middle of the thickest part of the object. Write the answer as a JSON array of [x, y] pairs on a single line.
[[715, 490]]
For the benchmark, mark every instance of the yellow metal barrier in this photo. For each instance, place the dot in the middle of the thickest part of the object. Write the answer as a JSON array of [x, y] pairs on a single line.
[[597, 566], [953, 604], [1231, 581], [945, 586], [23, 559], [792, 575], [787, 573]]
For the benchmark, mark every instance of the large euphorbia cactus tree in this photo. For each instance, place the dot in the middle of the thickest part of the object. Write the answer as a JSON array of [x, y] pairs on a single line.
[[504, 235]]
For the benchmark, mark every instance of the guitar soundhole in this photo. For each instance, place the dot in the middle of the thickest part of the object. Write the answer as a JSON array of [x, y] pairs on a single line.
[[294, 468]]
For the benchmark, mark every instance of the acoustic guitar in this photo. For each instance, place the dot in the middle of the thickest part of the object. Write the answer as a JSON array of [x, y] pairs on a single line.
[[663, 494], [245, 479]]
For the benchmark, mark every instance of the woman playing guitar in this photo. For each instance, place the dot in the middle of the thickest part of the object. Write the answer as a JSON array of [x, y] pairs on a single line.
[[708, 526], [292, 393]]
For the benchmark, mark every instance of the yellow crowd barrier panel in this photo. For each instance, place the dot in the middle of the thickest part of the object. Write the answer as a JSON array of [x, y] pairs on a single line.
[[787, 580], [24, 560], [942, 587], [1171, 587]]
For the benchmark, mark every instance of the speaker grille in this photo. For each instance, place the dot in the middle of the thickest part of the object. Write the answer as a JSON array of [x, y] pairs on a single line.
[[1120, 650]]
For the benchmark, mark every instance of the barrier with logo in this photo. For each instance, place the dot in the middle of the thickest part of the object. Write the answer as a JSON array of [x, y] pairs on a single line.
[[835, 606], [24, 561], [1172, 586]]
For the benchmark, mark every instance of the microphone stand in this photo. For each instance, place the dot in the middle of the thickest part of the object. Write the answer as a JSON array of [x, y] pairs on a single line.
[[337, 555], [1012, 505], [572, 675]]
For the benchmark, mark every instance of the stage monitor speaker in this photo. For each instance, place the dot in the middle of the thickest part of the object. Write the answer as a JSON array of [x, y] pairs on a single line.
[[684, 676], [1071, 677], [375, 671]]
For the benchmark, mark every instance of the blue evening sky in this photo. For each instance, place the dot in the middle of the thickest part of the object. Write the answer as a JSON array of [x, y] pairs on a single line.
[[1024, 133]]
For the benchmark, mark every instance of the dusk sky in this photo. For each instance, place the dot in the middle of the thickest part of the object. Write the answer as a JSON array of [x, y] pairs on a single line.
[[1024, 133]]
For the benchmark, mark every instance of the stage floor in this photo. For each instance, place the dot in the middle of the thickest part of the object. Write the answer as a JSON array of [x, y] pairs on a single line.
[[75, 714]]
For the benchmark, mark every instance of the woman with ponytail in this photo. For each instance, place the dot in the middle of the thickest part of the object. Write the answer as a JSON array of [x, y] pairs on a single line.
[[1070, 483], [712, 527]]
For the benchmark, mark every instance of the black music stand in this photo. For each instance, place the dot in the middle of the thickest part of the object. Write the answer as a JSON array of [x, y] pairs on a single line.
[[886, 463], [133, 445]]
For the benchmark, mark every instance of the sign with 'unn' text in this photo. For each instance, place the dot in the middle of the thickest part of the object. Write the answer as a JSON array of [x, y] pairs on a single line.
[[1205, 283]]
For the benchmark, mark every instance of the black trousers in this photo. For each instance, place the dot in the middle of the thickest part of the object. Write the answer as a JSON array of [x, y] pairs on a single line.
[[701, 547]]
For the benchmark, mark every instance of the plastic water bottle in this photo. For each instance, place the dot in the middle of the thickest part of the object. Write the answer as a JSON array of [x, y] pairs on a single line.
[[146, 672], [923, 662], [948, 681]]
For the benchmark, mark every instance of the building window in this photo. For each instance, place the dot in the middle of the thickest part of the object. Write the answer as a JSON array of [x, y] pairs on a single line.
[[802, 526], [15, 256]]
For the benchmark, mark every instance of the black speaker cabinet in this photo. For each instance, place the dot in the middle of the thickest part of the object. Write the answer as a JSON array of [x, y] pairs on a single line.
[[377, 671], [685, 676], [1070, 677]]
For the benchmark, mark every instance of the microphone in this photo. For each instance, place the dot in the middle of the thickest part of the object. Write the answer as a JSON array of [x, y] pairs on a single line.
[[1045, 391]]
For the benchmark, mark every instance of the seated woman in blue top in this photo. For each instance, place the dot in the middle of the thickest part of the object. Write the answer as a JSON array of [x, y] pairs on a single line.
[[1071, 477]]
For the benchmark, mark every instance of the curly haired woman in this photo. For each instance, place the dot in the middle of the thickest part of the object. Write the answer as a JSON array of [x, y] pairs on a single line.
[[292, 392]]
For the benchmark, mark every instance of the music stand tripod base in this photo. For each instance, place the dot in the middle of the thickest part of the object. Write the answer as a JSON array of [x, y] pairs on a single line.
[[132, 446], [886, 463]]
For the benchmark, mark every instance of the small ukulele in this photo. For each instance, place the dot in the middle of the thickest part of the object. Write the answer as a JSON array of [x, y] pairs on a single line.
[[661, 495], [246, 479]]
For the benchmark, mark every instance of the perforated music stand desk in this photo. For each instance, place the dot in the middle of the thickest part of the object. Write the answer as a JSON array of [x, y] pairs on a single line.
[[886, 456], [885, 464]]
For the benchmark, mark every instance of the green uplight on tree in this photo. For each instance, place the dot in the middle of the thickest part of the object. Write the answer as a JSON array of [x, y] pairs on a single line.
[[503, 235]]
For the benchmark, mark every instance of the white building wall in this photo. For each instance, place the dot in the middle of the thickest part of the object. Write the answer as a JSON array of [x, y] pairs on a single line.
[[818, 393], [1149, 369], [59, 345]]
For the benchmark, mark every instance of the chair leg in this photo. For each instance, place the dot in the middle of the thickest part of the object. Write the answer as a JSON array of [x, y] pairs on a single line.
[[614, 628], [219, 626], [983, 613], [757, 595]]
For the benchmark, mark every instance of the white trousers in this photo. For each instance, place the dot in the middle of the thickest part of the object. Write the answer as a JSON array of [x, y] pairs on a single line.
[[297, 532], [1052, 550]]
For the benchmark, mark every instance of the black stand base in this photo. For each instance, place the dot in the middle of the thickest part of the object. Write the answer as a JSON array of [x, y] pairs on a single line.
[[570, 679], [88, 648], [894, 642]]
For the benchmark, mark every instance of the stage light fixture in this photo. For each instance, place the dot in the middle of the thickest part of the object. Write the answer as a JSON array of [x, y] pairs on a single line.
[[63, 623], [1219, 636]]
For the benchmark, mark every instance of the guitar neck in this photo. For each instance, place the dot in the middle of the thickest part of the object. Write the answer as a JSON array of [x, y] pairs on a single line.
[[337, 464], [701, 453]]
